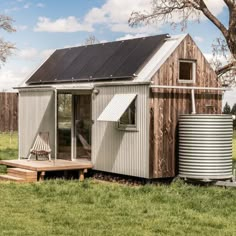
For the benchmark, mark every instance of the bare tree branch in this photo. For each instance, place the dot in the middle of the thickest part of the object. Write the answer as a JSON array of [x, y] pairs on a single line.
[[6, 23], [91, 40], [213, 19], [6, 48], [226, 68], [229, 3], [179, 12]]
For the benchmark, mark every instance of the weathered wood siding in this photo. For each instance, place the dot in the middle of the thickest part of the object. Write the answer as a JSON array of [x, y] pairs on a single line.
[[8, 112], [167, 104]]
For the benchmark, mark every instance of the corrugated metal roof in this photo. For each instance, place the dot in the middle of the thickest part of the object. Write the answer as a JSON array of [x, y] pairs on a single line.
[[116, 107], [107, 61]]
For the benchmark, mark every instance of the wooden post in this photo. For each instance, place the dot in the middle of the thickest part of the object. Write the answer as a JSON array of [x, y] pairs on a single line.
[[66, 174], [81, 175], [41, 175]]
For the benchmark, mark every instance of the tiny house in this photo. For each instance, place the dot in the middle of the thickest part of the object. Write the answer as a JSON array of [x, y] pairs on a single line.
[[117, 103]]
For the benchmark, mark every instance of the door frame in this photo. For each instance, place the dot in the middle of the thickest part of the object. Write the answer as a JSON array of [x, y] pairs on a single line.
[[73, 126], [73, 135]]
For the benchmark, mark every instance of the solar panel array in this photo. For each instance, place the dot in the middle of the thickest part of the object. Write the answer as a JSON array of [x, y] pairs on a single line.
[[107, 61]]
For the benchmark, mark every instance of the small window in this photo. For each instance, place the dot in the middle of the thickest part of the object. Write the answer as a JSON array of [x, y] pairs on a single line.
[[128, 119], [187, 71]]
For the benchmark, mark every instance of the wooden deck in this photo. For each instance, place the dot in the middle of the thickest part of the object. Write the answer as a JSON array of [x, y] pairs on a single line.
[[32, 171], [56, 165]]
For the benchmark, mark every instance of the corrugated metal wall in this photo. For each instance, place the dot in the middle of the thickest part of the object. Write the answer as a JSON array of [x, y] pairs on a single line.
[[36, 113], [117, 151]]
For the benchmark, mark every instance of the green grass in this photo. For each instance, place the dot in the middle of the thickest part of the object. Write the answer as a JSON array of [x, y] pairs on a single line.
[[59, 207], [8, 148], [90, 208]]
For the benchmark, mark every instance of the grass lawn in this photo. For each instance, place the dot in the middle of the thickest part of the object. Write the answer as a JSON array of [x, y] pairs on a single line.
[[59, 207], [93, 208], [8, 147]]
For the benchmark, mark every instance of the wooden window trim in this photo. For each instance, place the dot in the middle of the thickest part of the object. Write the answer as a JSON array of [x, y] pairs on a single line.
[[194, 66]]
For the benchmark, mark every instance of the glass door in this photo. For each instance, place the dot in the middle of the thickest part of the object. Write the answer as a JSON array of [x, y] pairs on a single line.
[[82, 126], [64, 125]]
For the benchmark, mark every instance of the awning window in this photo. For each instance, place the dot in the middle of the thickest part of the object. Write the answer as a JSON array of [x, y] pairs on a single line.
[[116, 107]]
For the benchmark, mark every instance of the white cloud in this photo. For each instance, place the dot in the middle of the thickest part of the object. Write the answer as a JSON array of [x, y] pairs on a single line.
[[26, 6], [10, 78], [40, 5], [46, 53], [230, 97], [96, 15], [198, 39], [115, 14], [8, 10], [125, 28], [28, 53], [131, 36], [69, 24], [21, 27], [210, 57], [72, 45], [215, 6], [103, 41], [18, 6], [33, 54], [13, 74], [116, 11]]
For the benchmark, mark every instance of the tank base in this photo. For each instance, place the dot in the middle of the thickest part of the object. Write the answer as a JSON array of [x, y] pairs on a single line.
[[205, 179]]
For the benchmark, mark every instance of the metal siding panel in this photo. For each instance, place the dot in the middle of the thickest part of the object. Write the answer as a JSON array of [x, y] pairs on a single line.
[[36, 113], [118, 151], [116, 107]]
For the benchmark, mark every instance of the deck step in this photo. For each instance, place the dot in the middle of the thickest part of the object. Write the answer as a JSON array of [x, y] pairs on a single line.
[[11, 178], [27, 175], [22, 172]]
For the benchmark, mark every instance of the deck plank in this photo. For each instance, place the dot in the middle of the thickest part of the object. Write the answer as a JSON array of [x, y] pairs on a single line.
[[49, 165]]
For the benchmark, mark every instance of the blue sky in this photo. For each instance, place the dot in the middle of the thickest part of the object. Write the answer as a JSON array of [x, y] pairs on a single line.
[[45, 25]]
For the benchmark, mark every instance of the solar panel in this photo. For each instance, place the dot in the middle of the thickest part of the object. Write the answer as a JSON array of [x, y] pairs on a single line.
[[107, 61]]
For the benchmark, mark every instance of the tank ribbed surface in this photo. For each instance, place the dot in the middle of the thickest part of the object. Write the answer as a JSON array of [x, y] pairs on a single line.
[[205, 147]]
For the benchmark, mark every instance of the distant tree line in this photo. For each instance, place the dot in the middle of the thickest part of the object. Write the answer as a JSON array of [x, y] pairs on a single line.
[[228, 110]]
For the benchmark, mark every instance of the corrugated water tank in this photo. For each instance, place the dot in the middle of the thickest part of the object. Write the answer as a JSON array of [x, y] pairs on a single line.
[[205, 147]]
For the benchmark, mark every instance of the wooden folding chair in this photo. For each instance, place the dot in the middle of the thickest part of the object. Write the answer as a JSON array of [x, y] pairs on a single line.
[[41, 146], [85, 144]]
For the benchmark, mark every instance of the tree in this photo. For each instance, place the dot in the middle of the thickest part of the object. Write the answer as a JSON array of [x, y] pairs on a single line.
[[6, 48], [90, 40], [165, 10], [226, 109], [233, 112]]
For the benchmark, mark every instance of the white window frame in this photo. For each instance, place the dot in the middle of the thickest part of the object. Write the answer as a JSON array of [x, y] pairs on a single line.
[[194, 65], [129, 127]]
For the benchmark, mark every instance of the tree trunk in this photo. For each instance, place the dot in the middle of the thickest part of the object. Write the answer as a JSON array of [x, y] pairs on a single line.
[[231, 39]]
